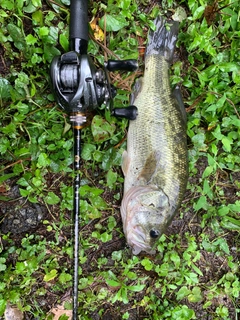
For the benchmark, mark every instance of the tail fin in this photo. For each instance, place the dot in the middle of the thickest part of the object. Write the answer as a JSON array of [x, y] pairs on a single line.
[[163, 40]]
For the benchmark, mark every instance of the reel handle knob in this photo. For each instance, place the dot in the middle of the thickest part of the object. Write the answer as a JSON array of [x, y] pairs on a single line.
[[129, 113], [126, 65]]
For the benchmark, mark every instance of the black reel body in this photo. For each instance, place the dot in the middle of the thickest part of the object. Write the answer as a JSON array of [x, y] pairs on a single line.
[[77, 85], [80, 87]]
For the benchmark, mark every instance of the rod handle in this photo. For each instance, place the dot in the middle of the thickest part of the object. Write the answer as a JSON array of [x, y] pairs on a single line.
[[79, 19]]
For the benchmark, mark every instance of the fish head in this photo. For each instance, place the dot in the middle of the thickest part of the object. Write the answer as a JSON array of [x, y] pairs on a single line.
[[145, 211]]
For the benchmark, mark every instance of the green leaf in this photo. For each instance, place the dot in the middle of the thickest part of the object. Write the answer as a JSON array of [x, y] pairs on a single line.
[[22, 107], [63, 317], [201, 203], [230, 223], [101, 129], [113, 23], [87, 151], [228, 67], [65, 277], [136, 288], [30, 8], [113, 283], [21, 267], [196, 269], [37, 16], [2, 264], [4, 145], [24, 192], [175, 258], [43, 160], [183, 292], [198, 12], [6, 177], [196, 295], [17, 36], [52, 198], [37, 3], [3, 304], [7, 4], [199, 140], [111, 178], [227, 144], [207, 172], [43, 31], [105, 237], [63, 39], [50, 275], [147, 264], [117, 255], [5, 88], [50, 52]]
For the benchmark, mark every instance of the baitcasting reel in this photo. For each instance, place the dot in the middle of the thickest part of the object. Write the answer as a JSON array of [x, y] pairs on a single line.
[[78, 85], [80, 88]]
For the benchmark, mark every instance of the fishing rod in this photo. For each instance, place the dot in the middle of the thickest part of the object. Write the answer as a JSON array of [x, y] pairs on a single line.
[[80, 87]]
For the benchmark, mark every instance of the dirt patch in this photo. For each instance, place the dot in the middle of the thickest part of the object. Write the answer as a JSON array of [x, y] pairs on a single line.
[[20, 216], [5, 62]]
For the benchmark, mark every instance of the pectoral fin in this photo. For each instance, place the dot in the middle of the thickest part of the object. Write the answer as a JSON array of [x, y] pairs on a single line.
[[125, 162], [150, 166], [136, 90]]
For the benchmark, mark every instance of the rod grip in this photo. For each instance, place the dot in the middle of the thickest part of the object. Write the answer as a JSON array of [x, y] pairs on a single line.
[[79, 19]]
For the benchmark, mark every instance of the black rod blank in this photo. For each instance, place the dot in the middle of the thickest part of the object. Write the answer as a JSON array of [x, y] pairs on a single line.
[[76, 218]]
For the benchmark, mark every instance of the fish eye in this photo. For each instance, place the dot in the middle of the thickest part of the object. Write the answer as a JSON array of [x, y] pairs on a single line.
[[154, 233]]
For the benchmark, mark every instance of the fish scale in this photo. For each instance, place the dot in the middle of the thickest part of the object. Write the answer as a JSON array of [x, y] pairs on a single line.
[[155, 164]]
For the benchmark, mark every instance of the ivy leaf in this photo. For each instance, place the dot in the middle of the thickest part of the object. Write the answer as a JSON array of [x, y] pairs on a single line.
[[228, 67], [2, 264], [17, 36], [64, 277], [115, 23], [196, 295], [5, 88], [111, 178], [183, 292], [52, 198], [101, 129], [87, 151], [43, 160]]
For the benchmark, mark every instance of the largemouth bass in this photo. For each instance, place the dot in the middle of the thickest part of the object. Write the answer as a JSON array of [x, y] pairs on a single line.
[[155, 164]]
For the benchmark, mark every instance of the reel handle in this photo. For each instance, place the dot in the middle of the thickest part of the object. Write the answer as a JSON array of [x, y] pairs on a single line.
[[125, 65], [129, 112]]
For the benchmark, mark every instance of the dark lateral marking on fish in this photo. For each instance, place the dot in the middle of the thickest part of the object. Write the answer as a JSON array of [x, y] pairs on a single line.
[[150, 166]]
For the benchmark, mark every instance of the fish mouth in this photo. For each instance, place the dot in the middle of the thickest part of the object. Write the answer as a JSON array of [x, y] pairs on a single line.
[[138, 241]]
